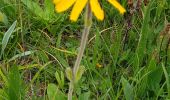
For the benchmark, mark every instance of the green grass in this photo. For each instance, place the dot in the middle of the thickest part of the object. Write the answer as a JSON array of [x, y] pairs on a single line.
[[133, 51]]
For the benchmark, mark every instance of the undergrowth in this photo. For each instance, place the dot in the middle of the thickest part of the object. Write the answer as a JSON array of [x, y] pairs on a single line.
[[126, 57]]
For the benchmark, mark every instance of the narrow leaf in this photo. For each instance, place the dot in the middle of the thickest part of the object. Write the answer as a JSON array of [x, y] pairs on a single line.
[[79, 73], [6, 37], [54, 93], [68, 72], [26, 53], [128, 89]]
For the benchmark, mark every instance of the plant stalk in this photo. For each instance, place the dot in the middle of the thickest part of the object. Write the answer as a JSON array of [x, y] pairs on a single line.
[[84, 39]]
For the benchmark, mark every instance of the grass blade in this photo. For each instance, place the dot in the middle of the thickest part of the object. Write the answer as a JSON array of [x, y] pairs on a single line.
[[16, 87], [167, 79], [6, 37], [141, 49], [26, 53], [49, 10], [4, 78]]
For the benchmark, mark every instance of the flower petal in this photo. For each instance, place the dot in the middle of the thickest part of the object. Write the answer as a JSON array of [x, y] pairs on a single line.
[[96, 9], [77, 9], [116, 4], [56, 1], [63, 5]]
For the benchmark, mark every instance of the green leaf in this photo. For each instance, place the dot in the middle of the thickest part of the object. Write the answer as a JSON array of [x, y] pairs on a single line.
[[128, 89], [79, 73], [3, 95], [60, 78], [167, 79], [84, 96], [57, 77], [62, 60], [159, 9], [3, 18], [145, 30], [155, 76], [4, 78], [26, 53], [68, 72], [15, 89], [54, 93], [49, 9], [34, 7], [6, 37], [8, 9]]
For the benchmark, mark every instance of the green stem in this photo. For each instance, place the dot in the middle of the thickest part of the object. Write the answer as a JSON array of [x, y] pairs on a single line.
[[70, 92], [87, 26]]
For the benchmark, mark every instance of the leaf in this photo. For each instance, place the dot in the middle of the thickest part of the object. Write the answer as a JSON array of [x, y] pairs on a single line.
[[57, 77], [84, 96], [159, 9], [145, 30], [49, 9], [62, 61], [15, 89], [167, 79], [34, 7], [4, 78], [3, 18], [54, 93], [68, 72], [79, 73], [6, 37], [60, 78], [3, 95], [8, 8], [26, 53], [128, 89], [155, 76]]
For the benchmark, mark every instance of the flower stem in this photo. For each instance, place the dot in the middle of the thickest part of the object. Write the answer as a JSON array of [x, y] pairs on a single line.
[[84, 38]]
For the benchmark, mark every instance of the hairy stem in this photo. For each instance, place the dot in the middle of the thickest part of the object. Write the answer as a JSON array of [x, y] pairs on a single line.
[[84, 38]]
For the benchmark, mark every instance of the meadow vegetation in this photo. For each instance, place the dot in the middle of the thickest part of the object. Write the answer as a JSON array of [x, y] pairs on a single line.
[[127, 57]]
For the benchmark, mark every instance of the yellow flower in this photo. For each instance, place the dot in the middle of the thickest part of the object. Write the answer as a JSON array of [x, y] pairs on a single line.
[[98, 65], [63, 5]]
